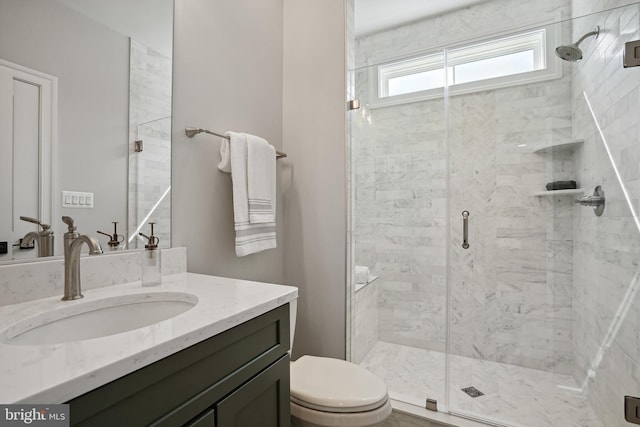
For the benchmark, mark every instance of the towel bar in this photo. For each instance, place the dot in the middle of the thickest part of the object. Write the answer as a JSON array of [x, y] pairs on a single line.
[[191, 132]]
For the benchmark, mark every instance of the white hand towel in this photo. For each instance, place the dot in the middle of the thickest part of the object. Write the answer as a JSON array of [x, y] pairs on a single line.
[[225, 156], [250, 238], [261, 182]]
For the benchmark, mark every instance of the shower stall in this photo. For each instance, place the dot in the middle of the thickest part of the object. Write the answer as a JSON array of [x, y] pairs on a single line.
[[494, 189]]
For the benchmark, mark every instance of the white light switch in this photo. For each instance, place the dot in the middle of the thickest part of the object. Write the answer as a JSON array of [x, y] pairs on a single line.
[[75, 199]]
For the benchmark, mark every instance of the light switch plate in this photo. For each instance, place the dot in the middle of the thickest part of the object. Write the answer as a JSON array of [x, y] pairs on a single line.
[[75, 199], [631, 54]]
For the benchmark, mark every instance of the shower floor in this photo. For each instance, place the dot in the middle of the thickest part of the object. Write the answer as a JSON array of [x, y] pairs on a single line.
[[513, 396]]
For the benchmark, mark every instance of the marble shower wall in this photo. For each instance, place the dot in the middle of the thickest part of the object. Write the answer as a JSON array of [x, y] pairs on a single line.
[[511, 291], [399, 229], [366, 314], [606, 310]]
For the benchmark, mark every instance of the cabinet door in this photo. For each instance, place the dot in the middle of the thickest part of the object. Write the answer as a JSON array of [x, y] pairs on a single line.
[[208, 419], [263, 401]]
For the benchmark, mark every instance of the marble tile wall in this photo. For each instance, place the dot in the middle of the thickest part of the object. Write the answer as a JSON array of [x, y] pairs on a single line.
[[606, 313], [399, 220], [441, 30], [20, 282], [365, 320], [511, 292], [149, 121]]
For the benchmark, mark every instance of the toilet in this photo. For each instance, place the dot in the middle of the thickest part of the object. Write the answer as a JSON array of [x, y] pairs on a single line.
[[327, 392]]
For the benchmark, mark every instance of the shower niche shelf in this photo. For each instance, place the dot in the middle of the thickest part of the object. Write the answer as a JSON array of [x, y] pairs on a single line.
[[556, 147], [572, 192]]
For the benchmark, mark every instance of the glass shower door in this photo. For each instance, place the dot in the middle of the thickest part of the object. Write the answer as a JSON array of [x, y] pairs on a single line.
[[398, 242], [543, 323]]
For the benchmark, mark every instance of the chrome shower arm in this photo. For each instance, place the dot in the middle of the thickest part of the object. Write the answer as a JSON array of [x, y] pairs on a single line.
[[595, 32]]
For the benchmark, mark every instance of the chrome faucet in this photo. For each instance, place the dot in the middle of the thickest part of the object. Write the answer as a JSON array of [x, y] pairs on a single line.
[[44, 237], [72, 245]]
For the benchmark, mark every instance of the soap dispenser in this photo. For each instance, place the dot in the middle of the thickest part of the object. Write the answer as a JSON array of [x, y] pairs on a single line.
[[114, 240], [151, 260]]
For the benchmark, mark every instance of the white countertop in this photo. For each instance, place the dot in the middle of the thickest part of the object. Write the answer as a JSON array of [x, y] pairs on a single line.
[[57, 373]]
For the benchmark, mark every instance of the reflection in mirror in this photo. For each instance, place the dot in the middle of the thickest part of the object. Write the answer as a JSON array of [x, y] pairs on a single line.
[[27, 110], [91, 78], [150, 144]]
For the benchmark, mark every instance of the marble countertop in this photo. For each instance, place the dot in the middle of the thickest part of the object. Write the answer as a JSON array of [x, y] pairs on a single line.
[[57, 373]]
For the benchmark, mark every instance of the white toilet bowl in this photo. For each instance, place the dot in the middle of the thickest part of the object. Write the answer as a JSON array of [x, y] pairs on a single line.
[[328, 392]]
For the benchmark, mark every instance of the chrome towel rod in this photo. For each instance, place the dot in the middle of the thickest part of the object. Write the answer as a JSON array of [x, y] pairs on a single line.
[[191, 132]]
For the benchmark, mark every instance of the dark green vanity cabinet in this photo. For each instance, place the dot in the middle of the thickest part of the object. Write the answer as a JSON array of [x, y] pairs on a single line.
[[237, 378]]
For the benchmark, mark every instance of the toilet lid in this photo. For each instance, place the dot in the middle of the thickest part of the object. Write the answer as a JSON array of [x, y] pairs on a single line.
[[335, 385]]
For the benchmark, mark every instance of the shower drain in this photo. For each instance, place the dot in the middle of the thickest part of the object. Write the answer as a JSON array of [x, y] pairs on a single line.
[[473, 392]]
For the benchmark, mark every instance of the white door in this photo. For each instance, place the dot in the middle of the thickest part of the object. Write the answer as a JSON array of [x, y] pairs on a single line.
[[27, 101]]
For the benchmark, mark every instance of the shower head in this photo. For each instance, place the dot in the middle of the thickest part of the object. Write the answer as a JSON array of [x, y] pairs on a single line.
[[572, 52]]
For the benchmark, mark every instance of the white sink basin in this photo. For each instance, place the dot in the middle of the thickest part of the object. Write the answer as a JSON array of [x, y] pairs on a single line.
[[98, 318]]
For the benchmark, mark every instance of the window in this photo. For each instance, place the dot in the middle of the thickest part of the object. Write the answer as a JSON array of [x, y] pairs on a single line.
[[413, 75], [499, 62]]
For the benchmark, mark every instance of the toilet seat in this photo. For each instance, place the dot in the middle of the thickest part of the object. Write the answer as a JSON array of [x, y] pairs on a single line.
[[335, 386], [339, 409]]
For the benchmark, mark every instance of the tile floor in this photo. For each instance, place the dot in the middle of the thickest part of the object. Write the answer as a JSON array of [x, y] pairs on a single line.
[[513, 396]]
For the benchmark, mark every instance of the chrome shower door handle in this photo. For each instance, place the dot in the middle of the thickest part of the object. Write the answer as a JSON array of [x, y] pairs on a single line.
[[465, 229]]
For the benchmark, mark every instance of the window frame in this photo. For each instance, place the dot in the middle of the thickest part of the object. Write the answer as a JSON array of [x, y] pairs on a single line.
[[466, 51]]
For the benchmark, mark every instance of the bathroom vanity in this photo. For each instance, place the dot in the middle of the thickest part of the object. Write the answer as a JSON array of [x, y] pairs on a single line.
[[222, 362], [237, 378]]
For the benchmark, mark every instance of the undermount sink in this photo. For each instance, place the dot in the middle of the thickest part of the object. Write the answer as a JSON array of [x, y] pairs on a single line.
[[98, 318]]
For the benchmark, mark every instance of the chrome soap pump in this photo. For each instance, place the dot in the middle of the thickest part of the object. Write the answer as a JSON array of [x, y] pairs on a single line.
[[151, 260], [116, 239]]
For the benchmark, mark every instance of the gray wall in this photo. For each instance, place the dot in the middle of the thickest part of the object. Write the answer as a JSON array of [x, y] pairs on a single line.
[[227, 76], [92, 66], [314, 182], [230, 77]]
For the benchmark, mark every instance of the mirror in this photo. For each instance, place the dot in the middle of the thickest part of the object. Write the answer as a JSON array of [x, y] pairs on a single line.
[[80, 82]]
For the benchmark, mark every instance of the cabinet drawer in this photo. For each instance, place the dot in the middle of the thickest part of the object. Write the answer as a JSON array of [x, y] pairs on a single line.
[[176, 389]]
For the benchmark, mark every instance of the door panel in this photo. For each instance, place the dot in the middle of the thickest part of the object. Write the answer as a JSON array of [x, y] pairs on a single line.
[[27, 138], [26, 170]]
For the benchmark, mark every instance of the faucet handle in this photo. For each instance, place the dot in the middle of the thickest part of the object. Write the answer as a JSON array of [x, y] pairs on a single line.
[[70, 223], [35, 221]]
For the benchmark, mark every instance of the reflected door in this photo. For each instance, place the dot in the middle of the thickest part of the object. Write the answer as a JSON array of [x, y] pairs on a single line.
[[26, 109]]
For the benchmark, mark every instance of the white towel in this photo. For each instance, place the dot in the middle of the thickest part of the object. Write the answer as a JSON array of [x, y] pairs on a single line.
[[250, 238], [261, 180]]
